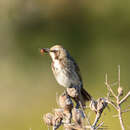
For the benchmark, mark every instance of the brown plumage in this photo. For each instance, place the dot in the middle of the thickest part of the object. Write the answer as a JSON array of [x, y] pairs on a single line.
[[67, 73]]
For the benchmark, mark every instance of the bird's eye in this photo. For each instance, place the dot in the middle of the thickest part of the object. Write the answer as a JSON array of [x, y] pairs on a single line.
[[54, 51]]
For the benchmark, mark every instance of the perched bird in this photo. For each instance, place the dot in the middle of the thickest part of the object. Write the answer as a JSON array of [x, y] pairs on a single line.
[[67, 73]]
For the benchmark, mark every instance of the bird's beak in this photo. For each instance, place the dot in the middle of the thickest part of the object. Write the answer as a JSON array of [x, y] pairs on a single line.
[[44, 50]]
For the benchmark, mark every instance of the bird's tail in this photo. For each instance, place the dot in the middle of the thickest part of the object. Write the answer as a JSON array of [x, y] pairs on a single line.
[[85, 96], [80, 97]]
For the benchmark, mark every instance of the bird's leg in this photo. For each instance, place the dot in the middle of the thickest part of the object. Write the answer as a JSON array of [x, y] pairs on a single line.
[[77, 103], [65, 92], [74, 93], [77, 99]]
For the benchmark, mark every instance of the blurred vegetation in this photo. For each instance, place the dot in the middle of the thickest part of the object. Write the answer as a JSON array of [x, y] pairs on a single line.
[[97, 34]]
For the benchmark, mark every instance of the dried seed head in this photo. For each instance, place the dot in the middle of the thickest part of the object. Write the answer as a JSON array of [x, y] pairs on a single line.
[[67, 117], [48, 119], [58, 113], [77, 116], [93, 105], [120, 91], [57, 121], [101, 104], [65, 101], [72, 92]]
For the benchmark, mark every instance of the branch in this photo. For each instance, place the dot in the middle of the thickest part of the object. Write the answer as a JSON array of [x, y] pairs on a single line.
[[109, 88], [119, 76], [112, 103], [98, 106], [117, 104], [98, 115], [120, 119], [126, 110], [99, 125], [127, 95], [73, 118]]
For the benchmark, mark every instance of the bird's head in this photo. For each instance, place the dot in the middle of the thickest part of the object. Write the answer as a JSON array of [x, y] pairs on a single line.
[[56, 52]]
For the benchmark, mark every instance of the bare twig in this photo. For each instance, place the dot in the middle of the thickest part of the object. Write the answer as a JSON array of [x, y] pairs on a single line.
[[85, 115], [114, 84], [74, 118], [97, 106], [99, 125], [119, 77], [109, 88], [98, 115], [126, 110], [127, 95], [112, 103], [117, 104], [115, 116], [120, 118]]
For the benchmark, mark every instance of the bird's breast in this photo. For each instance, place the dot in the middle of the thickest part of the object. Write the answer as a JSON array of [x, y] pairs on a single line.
[[60, 74]]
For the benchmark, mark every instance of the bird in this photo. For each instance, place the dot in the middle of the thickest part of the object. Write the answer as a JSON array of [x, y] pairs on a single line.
[[67, 74]]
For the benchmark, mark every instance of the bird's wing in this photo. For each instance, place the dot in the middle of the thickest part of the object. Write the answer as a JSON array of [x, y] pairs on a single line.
[[72, 70], [76, 67]]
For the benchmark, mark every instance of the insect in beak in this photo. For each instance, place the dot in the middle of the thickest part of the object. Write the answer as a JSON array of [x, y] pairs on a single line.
[[44, 50]]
